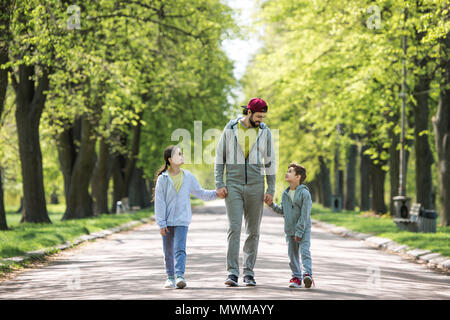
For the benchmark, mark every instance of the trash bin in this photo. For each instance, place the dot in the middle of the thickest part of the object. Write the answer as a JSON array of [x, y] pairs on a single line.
[[427, 221], [401, 207], [119, 207], [336, 203]]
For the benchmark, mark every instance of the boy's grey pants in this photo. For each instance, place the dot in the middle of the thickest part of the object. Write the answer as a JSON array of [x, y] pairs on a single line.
[[296, 249], [247, 200]]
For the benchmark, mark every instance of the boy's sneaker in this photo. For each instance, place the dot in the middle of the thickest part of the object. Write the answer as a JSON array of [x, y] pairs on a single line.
[[170, 283], [232, 281], [249, 281], [295, 283], [180, 282], [308, 280]]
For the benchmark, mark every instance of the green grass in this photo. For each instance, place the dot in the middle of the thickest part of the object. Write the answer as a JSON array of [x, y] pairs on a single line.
[[196, 202], [25, 237], [384, 226]]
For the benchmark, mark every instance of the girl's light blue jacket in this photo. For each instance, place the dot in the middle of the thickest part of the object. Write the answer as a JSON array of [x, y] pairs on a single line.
[[173, 208]]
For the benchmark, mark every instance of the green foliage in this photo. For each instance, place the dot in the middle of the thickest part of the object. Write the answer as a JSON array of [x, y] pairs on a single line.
[[158, 64], [332, 72]]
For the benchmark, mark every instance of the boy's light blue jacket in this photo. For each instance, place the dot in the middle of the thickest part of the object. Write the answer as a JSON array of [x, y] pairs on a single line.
[[173, 208], [297, 215]]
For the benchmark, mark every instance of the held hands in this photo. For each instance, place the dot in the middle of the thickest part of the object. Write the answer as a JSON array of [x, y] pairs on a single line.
[[297, 239], [164, 231], [222, 192], [268, 199]]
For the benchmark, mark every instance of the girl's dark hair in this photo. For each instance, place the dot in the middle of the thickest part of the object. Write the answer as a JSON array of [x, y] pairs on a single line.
[[167, 154]]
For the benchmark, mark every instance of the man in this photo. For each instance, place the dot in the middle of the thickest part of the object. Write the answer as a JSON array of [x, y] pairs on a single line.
[[245, 143]]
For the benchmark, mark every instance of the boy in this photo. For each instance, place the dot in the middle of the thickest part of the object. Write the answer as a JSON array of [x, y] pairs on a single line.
[[296, 208]]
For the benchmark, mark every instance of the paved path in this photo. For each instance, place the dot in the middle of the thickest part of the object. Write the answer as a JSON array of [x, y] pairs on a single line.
[[129, 265]]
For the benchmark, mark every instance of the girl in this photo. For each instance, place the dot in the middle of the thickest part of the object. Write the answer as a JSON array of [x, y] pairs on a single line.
[[173, 187]]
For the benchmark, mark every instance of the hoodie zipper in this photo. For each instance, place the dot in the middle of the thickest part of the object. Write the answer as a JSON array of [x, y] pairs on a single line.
[[245, 170]]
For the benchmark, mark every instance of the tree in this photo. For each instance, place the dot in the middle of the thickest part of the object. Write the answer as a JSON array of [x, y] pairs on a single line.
[[4, 48], [342, 68]]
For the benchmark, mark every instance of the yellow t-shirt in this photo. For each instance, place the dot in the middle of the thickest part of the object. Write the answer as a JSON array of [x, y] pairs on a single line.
[[246, 139], [177, 180]]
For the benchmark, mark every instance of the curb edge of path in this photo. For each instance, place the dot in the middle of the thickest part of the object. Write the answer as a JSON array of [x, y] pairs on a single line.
[[39, 255], [434, 261]]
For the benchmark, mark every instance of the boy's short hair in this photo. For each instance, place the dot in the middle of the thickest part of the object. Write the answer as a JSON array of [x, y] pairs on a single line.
[[298, 170]]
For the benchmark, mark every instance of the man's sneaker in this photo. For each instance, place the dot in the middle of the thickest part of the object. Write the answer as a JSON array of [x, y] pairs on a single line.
[[170, 283], [180, 282], [308, 280], [249, 281], [295, 283], [232, 281]]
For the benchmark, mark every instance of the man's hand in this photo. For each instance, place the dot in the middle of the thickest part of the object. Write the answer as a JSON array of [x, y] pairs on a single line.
[[222, 192], [164, 231], [268, 199], [297, 239]]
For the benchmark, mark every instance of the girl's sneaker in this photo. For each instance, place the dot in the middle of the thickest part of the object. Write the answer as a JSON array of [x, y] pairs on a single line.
[[295, 283], [181, 283], [308, 280], [170, 283]]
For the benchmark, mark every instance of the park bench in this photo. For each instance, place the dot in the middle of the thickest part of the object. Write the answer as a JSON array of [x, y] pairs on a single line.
[[417, 219]]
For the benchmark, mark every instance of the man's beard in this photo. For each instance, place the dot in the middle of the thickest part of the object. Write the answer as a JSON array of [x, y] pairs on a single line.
[[253, 123]]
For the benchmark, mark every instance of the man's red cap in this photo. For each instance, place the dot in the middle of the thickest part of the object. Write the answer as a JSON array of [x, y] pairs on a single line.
[[256, 105]]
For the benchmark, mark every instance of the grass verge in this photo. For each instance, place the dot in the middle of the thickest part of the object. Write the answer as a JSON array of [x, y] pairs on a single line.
[[384, 226], [26, 237]]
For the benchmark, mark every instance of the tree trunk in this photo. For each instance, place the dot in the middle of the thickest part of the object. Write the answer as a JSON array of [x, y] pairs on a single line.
[[54, 199], [377, 178], [350, 186], [30, 103], [67, 153], [394, 162], [131, 162], [441, 124], [424, 156], [100, 179], [119, 190], [3, 224], [79, 201], [4, 47], [325, 184], [138, 192], [364, 180], [312, 190], [318, 196], [338, 175], [123, 167], [21, 206]]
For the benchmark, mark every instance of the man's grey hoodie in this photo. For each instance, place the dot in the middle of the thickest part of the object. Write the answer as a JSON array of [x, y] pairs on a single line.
[[240, 170]]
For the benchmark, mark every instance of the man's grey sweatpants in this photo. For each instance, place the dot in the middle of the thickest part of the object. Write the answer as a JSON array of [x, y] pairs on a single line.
[[247, 200]]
